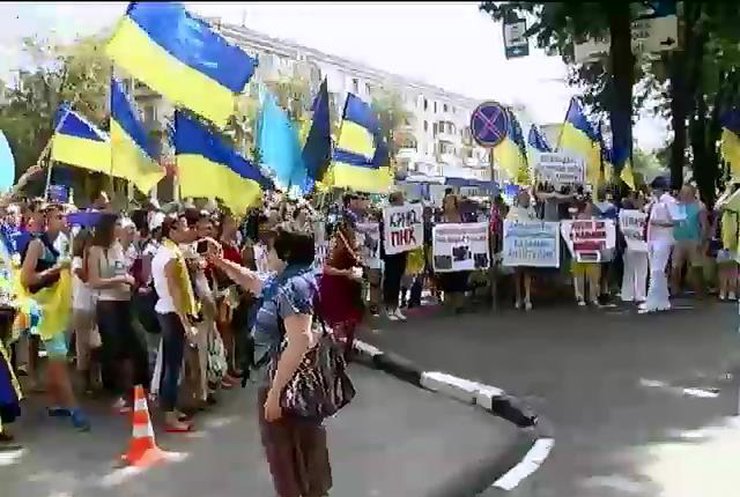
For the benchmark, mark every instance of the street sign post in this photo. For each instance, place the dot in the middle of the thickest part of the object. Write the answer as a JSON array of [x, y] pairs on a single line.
[[515, 43], [489, 126], [654, 30]]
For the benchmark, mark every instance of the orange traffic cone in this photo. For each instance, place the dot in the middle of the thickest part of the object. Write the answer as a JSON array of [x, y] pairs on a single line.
[[143, 450]]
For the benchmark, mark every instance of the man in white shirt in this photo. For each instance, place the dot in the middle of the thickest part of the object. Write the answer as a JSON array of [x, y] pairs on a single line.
[[662, 216]]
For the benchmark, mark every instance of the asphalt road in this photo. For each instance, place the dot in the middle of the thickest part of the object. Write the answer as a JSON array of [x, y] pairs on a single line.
[[639, 406], [393, 440]]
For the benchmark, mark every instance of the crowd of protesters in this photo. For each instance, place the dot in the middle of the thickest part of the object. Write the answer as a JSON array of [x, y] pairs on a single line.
[[190, 301]]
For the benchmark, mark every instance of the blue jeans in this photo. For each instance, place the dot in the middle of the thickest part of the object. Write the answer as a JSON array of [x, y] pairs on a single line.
[[173, 348]]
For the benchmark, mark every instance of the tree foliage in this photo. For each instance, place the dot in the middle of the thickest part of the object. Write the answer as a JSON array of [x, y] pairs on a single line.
[[78, 73], [392, 115]]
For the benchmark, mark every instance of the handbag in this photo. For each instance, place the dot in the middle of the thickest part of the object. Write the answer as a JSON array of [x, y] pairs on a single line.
[[320, 386]]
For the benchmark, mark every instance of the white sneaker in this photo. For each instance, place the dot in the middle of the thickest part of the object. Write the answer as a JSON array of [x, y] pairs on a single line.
[[527, 305], [581, 303], [391, 316], [722, 297], [517, 305], [731, 296], [400, 315]]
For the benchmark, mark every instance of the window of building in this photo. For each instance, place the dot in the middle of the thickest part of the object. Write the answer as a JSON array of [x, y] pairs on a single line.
[[426, 126], [355, 86], [368, 90], [150, 113], [453, 130], [435, 106], [426, 104], [434, 129], [444, 108]]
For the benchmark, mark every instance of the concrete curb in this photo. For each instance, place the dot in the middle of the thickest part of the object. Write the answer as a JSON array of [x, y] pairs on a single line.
[[513, 467], [490, 398]]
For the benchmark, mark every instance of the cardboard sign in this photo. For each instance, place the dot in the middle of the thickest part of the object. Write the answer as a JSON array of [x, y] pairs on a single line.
[[531, 243], [58, 194], [403, 227], [460, 247], [560, 169], [589, 240], [632, 225], [368, 241]]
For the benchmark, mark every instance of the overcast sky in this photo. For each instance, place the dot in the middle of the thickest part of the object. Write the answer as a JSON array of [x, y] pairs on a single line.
[[451, 45]]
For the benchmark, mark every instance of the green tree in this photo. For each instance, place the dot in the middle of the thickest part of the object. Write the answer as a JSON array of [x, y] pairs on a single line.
[[392, 115], [558, 25], [78, 73]]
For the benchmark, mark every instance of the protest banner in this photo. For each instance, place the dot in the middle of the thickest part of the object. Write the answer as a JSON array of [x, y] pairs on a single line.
[[632, 225], [560, 169], [403, 227], [531, 243], [460, 247], [368, 240], [589, 240]]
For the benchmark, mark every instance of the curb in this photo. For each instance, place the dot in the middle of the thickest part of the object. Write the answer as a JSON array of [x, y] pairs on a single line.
[[490, 398], [511, 470]]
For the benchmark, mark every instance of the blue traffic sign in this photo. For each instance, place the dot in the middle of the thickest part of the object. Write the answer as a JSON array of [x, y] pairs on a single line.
[[489, 124]]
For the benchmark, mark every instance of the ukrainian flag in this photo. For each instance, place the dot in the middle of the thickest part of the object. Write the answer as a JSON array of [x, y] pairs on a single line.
[[578, 136], [208, 167], [357, 165], [79, 143], [730, 141], [537, 140], [180, 57], [134, 157], [510, 154]]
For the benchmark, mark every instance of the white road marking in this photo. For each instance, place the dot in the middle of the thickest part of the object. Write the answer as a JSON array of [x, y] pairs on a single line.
[[531, 461]]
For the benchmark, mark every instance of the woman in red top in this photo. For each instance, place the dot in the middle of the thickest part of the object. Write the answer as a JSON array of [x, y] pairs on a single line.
[[341, 284]]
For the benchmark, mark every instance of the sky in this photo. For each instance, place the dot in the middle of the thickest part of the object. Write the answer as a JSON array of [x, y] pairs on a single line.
[[450, 45]]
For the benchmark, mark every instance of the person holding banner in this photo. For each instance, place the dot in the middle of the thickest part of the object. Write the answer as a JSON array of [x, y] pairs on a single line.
[[395, 267], [586, 273], [522, 211], [635, 257], [454, 284]]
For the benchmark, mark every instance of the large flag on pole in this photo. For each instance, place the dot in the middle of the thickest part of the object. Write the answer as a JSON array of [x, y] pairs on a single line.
[[279, 146], [179, 56], [578, 136], [510, 154], [208, 167], [355, 163], [317, 150], [78, 142], [133, 155]]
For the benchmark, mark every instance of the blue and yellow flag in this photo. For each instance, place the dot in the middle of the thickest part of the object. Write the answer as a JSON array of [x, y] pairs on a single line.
[[730, 141], [78, 142], [511, 153], [317, 149], [537, 140], [133, 155], [208, 167], [180, 57], [578, 136], [355, 162]]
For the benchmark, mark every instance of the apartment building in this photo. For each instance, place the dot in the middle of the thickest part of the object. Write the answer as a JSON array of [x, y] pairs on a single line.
[[437, 131]]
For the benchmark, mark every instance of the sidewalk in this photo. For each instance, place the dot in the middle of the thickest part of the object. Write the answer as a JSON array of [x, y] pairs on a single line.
[[393, 440]]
